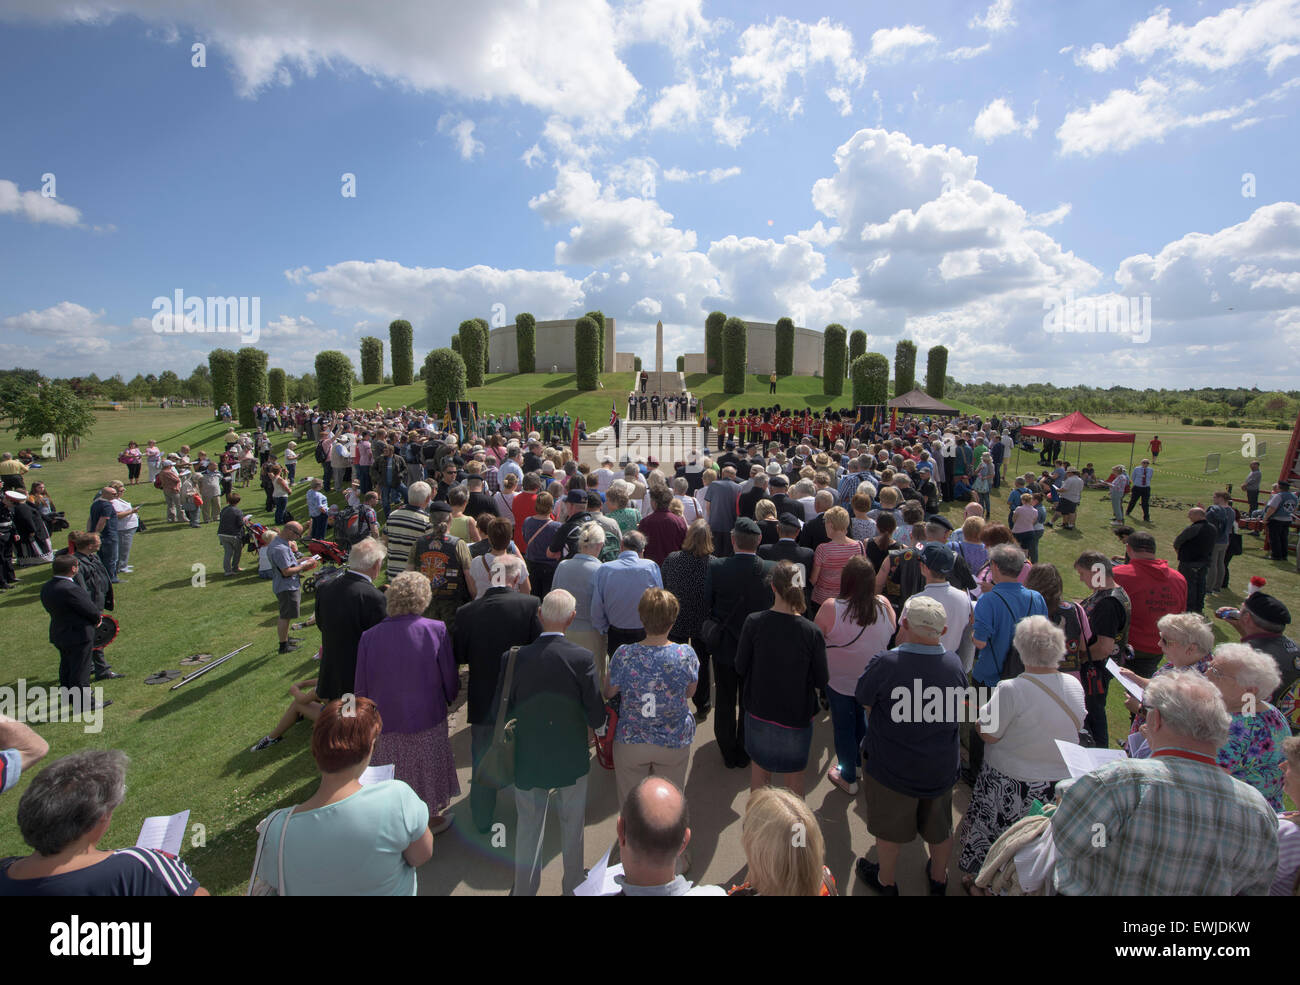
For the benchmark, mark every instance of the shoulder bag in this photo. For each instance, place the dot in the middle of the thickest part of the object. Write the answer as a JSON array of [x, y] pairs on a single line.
[[1085, 737], [497, 768]]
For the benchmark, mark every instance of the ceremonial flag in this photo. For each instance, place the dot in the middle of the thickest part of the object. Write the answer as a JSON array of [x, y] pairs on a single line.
[[613, 413], [528, 419], [893, 420]]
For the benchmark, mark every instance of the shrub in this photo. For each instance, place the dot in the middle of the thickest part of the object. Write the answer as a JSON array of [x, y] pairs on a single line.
[[636, 364], [713, 341], [1207, 422], [277, 389], [784, 347], [250, 382], [735, 340], [455, 344], [401, 343], [484, 328], [1187, 420], [221, 365], [936, 371], [1233, 424], [372, 360], [471, 350], [870, 379], [526, 341], [904, 367], [857, 344], [586, 349], [681, 364], [444, 380], [834, 358]]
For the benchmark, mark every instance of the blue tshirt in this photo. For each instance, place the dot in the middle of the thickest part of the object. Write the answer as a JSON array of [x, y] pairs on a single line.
[[996, 615], [103, 508]]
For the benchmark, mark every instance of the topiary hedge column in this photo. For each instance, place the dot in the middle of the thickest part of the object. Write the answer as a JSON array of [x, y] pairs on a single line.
[[936, 372], [333, 380], [833, 359], [221, 365], [526, 341], [870, 379], [681, 364], [784, 347], [857, 344], [455, 344], [599, 318], [401, 341], [735, 352], [471, 350], [250, 383], [586, 350], [636, 364], [372, 360], [444, 380], [484, 328], [277, 388], [713, 341], [904, 367]]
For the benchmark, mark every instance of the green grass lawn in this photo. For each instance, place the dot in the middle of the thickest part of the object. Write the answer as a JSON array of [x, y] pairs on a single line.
[[189, 748]]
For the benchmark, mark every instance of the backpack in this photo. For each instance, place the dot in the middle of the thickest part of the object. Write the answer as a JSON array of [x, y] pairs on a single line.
[[321, 457], [613, 542], [351, 526], [1012, 665]]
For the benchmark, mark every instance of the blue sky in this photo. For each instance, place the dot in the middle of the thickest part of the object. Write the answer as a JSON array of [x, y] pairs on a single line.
[[944, 172]]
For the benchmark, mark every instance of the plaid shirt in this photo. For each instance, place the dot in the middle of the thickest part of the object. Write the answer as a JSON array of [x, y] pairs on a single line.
[[1164, 826]]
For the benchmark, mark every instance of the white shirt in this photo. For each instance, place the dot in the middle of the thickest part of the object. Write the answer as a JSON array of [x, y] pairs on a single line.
[[957, 605], [603, 478], [125, 522], [1028, 723], [690, 508]]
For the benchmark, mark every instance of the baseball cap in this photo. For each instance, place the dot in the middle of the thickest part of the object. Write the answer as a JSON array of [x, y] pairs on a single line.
[[576, 496], [926, 614], [937, 558]]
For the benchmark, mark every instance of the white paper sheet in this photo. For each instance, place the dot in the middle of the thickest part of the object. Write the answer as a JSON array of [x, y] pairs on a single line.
[[166, 833], [376, 774], [600, 878], [1079, 760], [1129, 686]]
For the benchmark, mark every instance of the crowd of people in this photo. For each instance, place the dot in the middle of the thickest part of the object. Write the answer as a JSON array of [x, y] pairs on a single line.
[[626, 605]]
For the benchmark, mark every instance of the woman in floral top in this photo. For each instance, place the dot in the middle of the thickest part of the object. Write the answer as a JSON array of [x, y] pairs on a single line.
[[1253, 752], [1186, 640], [616, 498], [657, 678]]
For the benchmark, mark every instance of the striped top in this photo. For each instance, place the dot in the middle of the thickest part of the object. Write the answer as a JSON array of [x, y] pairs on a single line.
[[1288, 854], [405, 527], [126, 872], [831, 558]]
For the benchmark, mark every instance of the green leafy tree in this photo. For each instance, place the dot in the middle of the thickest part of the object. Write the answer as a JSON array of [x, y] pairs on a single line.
[[936, 371], [735, 354], [857, 344], [250, 383], [334, 373], [471, 350], [586, 348], [784, 347], [221, 364], [904, 367], [372, 360], [870, 373], [713, 341], [444, 379], [636, 364], [53, 409], [599, 318], [401, 343], [277, 388], [681, 364], [484, 329], [526, 341], [834, 359]]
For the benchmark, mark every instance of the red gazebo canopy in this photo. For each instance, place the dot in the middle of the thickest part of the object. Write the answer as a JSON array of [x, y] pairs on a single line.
[[1078, 427]]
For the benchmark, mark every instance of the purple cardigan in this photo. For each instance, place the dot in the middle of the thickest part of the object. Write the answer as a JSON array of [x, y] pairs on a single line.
[[405, 665]]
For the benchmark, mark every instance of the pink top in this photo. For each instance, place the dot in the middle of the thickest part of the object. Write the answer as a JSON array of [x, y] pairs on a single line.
[[364, 456], [831, 559], [1024, 519]]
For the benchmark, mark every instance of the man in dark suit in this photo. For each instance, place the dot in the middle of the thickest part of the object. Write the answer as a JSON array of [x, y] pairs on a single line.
[[778, 493], [484, 629], [73, 618], [749, 500], [814, 532], [94, 579], [788, 549], [346, 607], [555, 700], [735, 587]]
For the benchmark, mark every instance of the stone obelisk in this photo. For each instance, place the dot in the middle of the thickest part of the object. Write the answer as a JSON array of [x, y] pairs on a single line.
[[659, 380]]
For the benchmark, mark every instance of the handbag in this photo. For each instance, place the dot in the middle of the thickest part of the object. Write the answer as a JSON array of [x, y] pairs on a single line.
[[605, 739], [258, 886], [497, 768], [1085, 737]]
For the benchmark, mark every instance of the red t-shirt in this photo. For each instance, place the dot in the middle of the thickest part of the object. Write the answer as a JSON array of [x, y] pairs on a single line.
[[522, 506], [1155, 590]]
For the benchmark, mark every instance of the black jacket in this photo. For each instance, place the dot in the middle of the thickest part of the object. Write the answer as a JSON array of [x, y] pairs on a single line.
[[789, 550], [380, 468], [554, 699], [813, 534], [486, 628], [346, 607], [73, 616], [1195, 545], [736, 586]]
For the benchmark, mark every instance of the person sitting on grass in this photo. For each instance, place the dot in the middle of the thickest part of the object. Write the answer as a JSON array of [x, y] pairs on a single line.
[[64, 814], [305, 704]]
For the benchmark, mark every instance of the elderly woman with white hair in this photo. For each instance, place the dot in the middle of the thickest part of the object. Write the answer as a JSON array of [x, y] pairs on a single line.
[[1253, 752], [1020, 724], [618, 508], [406, 666], [1186, 639]]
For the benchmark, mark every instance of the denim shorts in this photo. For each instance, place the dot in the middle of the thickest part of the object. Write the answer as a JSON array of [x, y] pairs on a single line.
[[776, 748]]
